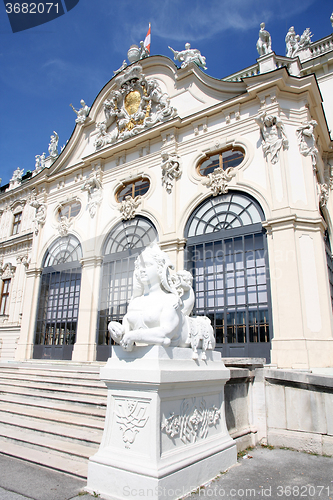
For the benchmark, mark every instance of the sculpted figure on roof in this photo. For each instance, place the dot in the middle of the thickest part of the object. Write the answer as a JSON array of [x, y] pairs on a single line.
[[133, 105], [295, 43], [264, 43], [187, 56]]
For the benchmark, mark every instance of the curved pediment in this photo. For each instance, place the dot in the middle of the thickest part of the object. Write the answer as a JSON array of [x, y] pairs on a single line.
[[140, 98]]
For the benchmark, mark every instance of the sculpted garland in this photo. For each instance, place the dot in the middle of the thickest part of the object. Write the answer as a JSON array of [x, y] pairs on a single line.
[[135, 104]]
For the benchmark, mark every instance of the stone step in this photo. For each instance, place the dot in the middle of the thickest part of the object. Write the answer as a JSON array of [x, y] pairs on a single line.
[[77, 468], [69, 430], [49, 378], [96, 410], [54, 415], [54, 386], [76, 397], [45, 442]]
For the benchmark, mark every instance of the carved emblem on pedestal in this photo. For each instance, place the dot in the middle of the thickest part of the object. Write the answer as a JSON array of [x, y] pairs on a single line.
[[134, 105], [132, 416], [193, 420]]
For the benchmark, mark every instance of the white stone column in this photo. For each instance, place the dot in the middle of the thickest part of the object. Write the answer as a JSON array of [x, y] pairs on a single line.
[[25, 343], [85, 345], [302, 315]]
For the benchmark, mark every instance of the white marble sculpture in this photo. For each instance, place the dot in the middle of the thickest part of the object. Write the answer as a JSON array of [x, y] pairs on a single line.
[[81, 113], [171, 169], [53, 146], [16, 179], [158, 312], [307, 141], [187, 56], [40, 215], [331, 19], [273, 135], [295, 43], [264, 43], [135, 104]]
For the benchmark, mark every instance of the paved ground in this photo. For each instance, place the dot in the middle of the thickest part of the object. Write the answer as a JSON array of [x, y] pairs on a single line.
[[263, 473]]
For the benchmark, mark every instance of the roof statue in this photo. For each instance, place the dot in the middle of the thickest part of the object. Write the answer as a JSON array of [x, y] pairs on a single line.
[[53, 146], [16, 179], [135, 104], [82, 113], [264, 43], [159, 310], [331, 19], [187, 56], [295, 43]]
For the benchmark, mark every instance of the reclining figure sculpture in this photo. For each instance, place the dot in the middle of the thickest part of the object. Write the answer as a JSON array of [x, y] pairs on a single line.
[[159, 309]]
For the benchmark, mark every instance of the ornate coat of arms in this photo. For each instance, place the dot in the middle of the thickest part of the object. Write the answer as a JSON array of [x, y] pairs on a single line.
[[135, 104]]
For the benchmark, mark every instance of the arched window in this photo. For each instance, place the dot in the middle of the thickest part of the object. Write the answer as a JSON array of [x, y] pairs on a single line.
[[230, 157], [137, 187], [58, 302], [226, 252], [125, 242]]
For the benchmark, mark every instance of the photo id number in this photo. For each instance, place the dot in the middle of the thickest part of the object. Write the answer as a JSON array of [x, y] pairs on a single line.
[[31, 8]]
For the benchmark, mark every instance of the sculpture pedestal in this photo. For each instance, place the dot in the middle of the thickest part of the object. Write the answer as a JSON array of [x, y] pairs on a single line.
[[165, 432]]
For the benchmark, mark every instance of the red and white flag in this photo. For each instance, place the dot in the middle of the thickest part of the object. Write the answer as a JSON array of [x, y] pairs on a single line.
[[146, 43]]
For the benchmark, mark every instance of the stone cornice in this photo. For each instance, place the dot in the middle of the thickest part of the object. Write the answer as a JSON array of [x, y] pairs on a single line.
[[16, 243], [295, 222]]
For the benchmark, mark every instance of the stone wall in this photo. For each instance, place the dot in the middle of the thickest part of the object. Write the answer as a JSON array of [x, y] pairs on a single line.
[[299, 411], [281, 408]]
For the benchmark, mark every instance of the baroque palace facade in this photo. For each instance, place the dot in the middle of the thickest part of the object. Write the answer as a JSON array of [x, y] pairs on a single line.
[[233, 177]]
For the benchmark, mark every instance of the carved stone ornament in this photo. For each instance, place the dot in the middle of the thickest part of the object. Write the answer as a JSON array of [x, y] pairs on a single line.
[[193, 420], [324, 194], [307, 141], [64, 225], [128, 207], [81, 113], [40, 215], [188, 56], [16, 179], [159, 310], [131, 416], [171, 169], [23, 259], [93, 186], [135, 104], [295, 43], [218, 180], [7, 271], [273, 135]]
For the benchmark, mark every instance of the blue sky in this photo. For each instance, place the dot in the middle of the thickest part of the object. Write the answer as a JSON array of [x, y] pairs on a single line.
[[44, 69]]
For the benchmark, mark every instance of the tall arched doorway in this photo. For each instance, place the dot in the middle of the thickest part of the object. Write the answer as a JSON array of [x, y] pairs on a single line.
[[58, 302], [125, 242], [226, 251]]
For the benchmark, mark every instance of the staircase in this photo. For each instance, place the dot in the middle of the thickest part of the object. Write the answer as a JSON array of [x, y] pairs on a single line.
[[52, 414]]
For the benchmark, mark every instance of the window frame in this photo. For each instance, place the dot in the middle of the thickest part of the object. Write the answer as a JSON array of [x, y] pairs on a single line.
[[5, 290], [221, 163], [133, 193], [16, 227]]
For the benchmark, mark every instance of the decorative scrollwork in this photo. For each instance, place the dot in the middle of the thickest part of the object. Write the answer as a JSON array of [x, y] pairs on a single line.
[[193, 420], [131, 415]]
